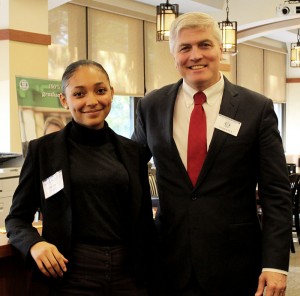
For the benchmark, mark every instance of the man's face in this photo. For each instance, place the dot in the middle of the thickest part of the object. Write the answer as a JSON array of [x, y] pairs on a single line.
[[197, 55]]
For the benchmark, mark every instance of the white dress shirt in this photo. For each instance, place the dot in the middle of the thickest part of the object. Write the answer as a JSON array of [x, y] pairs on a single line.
[[183, 108]]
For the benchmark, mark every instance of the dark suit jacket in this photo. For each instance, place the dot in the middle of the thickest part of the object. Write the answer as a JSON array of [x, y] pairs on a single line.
[[46, 156], [214, 227]]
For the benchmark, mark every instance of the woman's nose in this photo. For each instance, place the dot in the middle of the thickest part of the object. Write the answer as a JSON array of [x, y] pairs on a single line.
[[91, 99]]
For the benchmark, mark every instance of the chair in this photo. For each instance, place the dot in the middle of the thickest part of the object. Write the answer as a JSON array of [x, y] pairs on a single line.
[[153, 190], [153, 186], [295, 192], [291, 167]]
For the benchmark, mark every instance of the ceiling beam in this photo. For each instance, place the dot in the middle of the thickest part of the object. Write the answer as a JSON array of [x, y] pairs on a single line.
[[263, 30]]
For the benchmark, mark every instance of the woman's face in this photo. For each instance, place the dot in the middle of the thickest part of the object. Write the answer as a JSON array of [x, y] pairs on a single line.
[[88, 95]]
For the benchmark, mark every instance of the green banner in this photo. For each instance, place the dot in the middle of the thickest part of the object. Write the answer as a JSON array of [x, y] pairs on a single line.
[[32, 92]]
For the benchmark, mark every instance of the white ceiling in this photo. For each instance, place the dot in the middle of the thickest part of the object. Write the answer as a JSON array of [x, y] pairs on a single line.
[[208, 6], [247, 13], [255, 18]]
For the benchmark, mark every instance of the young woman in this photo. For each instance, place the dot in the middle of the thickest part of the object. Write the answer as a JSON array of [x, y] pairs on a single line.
[[92, 188]]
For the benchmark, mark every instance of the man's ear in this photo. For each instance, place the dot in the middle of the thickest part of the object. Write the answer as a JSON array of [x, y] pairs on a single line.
[[221, 50]]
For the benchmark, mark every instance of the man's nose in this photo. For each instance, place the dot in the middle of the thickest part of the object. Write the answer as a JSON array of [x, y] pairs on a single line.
[[196, 53]]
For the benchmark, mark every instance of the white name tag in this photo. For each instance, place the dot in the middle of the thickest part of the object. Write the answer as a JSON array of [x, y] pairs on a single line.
[[53, 184], [227, 125]]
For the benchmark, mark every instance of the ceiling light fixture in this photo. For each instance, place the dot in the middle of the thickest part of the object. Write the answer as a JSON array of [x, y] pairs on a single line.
[[295, 52], [165, 14], [229, 34]]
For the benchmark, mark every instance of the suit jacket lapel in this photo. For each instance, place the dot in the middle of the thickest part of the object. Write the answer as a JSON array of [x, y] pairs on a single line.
[[228, 108], [59, 160], [169, 101], [167, 111]]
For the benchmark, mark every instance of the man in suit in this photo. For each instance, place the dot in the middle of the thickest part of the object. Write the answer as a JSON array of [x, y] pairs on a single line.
[[212, 243]]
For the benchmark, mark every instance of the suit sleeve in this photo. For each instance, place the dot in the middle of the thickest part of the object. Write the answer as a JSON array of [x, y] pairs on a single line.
[[20, 231], [274, 193], [140, 134]]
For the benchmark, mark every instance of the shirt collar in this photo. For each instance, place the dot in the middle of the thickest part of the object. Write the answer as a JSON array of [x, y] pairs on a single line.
[[212, 93]]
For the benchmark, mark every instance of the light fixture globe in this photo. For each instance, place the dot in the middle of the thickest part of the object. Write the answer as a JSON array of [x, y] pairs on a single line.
[[229, 34], [295, 52], [165, 14]]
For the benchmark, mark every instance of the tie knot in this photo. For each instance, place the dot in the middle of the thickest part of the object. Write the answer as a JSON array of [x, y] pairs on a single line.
[[199, 98]]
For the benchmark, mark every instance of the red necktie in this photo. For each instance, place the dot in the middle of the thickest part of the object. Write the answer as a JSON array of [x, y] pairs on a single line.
[[197, 138]]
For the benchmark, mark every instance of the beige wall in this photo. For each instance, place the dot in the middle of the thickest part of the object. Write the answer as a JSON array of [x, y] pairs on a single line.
[[19, 58]]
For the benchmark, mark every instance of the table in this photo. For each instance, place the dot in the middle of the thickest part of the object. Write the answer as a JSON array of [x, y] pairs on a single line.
[[14, 276]]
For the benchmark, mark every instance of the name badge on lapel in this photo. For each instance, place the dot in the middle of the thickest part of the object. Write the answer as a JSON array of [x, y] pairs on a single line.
[[53, 184], [227, 125]]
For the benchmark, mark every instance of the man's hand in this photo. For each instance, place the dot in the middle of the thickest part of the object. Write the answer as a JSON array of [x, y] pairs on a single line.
[[48, 259], [275, 283]]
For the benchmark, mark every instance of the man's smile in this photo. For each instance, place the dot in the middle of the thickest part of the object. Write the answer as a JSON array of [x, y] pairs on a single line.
[[197, 67]]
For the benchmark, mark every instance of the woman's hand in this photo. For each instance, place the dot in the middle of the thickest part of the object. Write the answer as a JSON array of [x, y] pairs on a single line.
[[48, 259]]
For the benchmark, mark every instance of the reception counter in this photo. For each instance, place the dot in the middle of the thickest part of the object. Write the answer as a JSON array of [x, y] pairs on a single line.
[[13, 275]]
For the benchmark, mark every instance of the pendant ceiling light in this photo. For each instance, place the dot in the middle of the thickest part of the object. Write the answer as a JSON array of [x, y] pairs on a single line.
[[229, 34], [295, 52], [165, 14]]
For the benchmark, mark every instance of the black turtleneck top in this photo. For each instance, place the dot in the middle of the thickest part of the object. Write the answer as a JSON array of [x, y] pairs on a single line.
[[99, 188]]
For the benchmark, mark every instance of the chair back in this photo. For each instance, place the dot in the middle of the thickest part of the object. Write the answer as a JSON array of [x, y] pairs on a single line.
[[294, 181], [153, 185], [295, 190], [291, 167]]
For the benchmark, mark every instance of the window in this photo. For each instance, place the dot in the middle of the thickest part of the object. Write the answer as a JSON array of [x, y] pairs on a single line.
[[116, 42], [121, 116], [68, 38], [280, 110]]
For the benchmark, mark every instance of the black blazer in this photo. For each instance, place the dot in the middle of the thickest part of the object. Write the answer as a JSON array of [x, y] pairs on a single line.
[[46, 156], [213, 228]]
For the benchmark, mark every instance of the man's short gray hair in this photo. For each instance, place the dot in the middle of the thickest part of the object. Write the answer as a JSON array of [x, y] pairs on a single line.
[[193, 20]]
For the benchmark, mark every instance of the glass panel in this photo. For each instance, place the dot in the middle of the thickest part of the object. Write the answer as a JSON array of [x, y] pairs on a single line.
[[121, 116], [278, 110]]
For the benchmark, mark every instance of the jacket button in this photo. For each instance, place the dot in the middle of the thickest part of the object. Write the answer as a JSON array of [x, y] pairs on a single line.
[[194, 197]]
